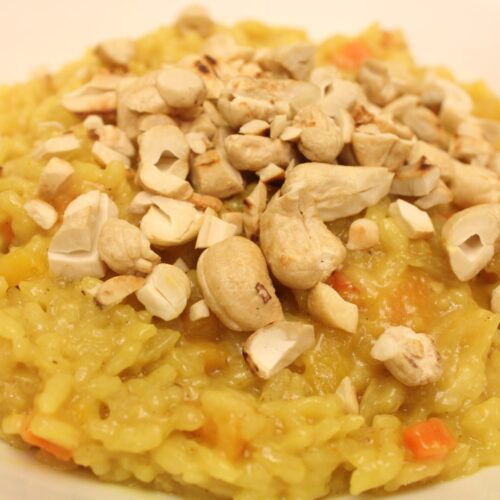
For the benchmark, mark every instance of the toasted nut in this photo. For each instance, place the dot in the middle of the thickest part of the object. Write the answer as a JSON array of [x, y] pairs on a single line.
[[414, 222], [73, 251], [271, 173], [115, 290], [469, 237], [297, 60], [235, 218], [274, 347], [198, 142], [93, 122], [339, 95], [300, 249], [141, 202], [179, 262], [199, 310], [412, 358], [105, 155], [208, 69], [180, 88], [255, 127], [327, 306], [236, 285], [125, 249], [116, 139], [195, 18], [495, 299], [146, 122], [418, 179], [340, 191], [53, 176], [253, 152], [363, 234], [320, 139], [171, 222], [424, 152], [206, 201], [211, 174], [118, 51], [42, 213], [57, 145], [214, 230], [346, 392], [425, 124], [165, 292], [97, 96], [253, 206], [440, 195], [143, 96], [471, 185]]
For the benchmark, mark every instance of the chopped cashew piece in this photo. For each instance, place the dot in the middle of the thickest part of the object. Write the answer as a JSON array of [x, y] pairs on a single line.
[[296, 60], [93, 122], [180, 88], [198, 142], [271, 173], [171, 222], [165, 292], [300, 249], [179, 262], [235, 218], [149, 121], [327, 306], [199, 310], [116, 139], [42, 213], [414, 222], [415, 180], [340, 191], [105, 155], [425, 124], [254, 127], [253, 206], [195, 18], [204, 201], [57, 145], [214, 230], [440, 195], [346, 392], [118, 51], [236, 285], [125, 249], [470, 237], [291, 134], [73, 251], [141, 202], [363, 234], [495, 299], [276, 346], [278, 125], [115, 290], [53, 176], [412, 358]]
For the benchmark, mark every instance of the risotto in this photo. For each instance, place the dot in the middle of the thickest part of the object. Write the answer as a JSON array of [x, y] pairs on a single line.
[[238, 265]]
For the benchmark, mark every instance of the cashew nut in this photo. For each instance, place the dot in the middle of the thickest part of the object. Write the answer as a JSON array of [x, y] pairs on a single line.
[[253, 206], [53, 176], [195, 18], [346, 392], [57, 145], [116, 289], [297, 60], [214, 230], [42, 213], [118, 51], [363, 234], [418, 179], [180, 88], [415, 223]]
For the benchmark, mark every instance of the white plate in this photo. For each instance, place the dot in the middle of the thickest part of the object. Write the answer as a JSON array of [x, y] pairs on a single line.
[[461, 35]]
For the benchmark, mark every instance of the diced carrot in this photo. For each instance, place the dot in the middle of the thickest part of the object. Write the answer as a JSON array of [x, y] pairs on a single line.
[[345, 287], [55, 450], [352, 55], [429, 440], [6, 234]]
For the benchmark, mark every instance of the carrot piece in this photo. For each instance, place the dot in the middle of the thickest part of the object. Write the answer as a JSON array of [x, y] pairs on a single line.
[[352, 55], [53, 449], [345, 287], [429, 440], [6, 234]]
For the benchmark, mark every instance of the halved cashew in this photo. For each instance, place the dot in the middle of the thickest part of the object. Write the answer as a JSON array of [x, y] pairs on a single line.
[[320, 138], [255, 127], [97, 96], [57, 145], [42, 213], [199, 310], [440, 195], [198, 142], [412, 358], [340, 191], [373, 148], [171, 222], [116, 289], [418, 179], [141, 202], [116, 139], [473, 185], [425, 124], [253, 206], [363, 234], [297, 59], [414, 222], [235, 218], [180, 88], [207, 68], [300, 249], [327, 306], [495, 299], [214, 230], [125, 249], [53, 176], [165, 292], [211, 174], [470, 237], [236, 285], [271, 173], [274, 347], [422, 151], [118, 51], [253, 152], [143, 96], [346, 392], [105, 155], [73, 251], [195, 18], [291, 134]]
